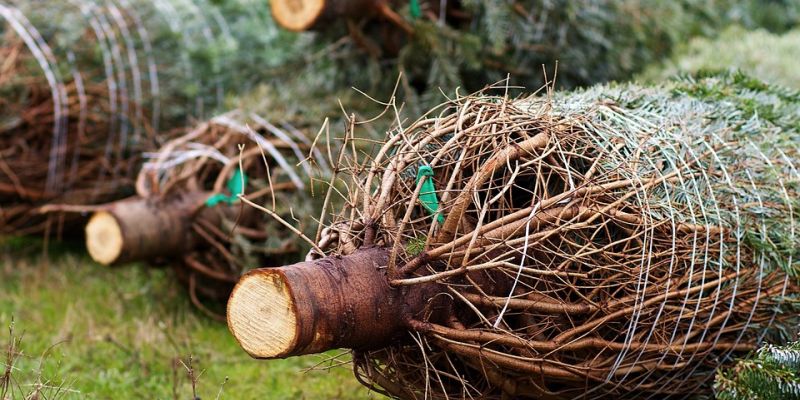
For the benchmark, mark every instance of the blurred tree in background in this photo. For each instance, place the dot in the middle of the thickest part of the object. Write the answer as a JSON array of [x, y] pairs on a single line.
[[471, 43]]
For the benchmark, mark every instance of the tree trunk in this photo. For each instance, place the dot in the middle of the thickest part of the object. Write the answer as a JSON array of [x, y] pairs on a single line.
[[334, 302], [303, 15], [141, 229]]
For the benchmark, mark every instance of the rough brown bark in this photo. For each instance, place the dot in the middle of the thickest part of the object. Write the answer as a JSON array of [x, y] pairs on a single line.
[[143, 229], [335, 302], [303, 15]]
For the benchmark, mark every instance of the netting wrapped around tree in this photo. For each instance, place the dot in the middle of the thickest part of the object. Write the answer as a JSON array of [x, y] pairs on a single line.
[[85, 86], [187, 210], [618, 241]]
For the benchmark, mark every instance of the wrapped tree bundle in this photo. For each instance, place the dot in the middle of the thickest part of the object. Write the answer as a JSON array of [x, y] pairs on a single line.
[[188, 209], [58, 144], [85, 86], [618, 241], [450, 44]]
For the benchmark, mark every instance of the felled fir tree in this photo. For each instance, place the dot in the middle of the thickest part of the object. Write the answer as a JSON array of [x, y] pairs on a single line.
[[593, 41], [86, 87], [471, 43]]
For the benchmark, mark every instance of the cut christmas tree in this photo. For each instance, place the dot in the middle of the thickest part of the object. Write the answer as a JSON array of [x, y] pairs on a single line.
[[466, 44], [188, 209], [617, 241], [86, 87]]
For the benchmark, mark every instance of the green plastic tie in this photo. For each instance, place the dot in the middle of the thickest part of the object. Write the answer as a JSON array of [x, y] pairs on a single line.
[[235, 185], [414, 9], [427, 193]]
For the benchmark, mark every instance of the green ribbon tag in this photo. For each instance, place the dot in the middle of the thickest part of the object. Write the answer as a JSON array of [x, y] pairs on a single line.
[[235, 185], [427, 193], [414, 9], [216, 199]]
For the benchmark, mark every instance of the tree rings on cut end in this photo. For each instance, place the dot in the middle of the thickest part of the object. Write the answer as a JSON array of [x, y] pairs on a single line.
[[262, 315], [104, 239], [297, 15]]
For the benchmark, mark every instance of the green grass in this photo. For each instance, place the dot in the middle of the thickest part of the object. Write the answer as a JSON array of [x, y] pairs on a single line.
[[118, 333], [767, 56]]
